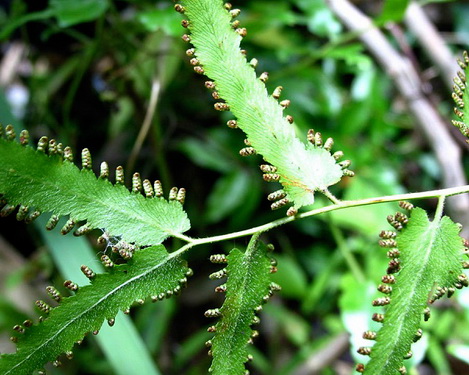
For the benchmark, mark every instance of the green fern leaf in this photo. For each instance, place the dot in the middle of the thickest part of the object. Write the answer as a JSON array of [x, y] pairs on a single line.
[[247, 287], [51, 184], [301, 168], [429, 264], [151, 272], [461, 96]]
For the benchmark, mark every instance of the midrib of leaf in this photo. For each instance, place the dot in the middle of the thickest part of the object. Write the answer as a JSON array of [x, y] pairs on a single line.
[[250, 95], [419, 280], [248, 282], [244, 292], [86, 311]]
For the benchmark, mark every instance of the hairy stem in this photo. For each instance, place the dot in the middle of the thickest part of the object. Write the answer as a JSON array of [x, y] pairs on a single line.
[[439, 208], [330, 196], [441, 194]]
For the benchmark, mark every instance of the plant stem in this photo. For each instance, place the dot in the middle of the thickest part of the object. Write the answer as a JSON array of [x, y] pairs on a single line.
[[330, 196], [439, 208], [441, 193]]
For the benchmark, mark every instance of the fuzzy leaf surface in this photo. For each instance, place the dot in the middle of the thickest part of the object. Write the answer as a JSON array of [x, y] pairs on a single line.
[[248, 282], [303, 168], [50, 184], [150, 272], [430, 255]]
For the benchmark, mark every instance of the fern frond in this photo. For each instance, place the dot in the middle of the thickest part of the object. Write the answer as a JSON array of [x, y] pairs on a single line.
[[426, 263], [302, 168], [461, 96], [151, 272], [45, 180], [247, 288]]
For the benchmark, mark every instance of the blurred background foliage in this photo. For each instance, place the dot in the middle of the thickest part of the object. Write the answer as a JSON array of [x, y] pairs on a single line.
[[89, 73]]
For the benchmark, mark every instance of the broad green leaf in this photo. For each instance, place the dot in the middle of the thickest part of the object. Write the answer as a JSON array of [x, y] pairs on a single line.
[[302, 168], [72, 12], [352, 54], [50, 184], [438, 357], [248, 283], [160, 19], [430, 257], [229, 193], [393, 11], [296, 328], [291, 276], [320, 19], [151, 272], [187, 350], [207, 153]]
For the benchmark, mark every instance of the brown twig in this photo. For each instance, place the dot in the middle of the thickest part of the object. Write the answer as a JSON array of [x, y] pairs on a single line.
[[324, 357], [433, 44], [146, 125], [409, 85]]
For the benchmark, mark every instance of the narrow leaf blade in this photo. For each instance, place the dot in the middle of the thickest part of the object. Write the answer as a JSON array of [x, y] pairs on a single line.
[[302, 168], [50, 184], [393, 11], [70, 12], [122, 341], [151, 272], [430, 256], [248, 283]]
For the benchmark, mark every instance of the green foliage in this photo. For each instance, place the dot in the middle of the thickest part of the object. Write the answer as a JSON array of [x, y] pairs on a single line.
[[429, 257], [151, 272], [123, 339], [51, 184], [461, 96], [117, 49], [247, 288], [301, 168], [69, 12], [393, 10]]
